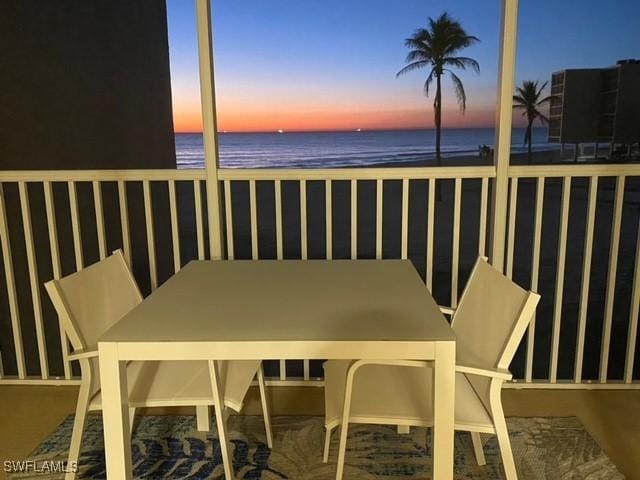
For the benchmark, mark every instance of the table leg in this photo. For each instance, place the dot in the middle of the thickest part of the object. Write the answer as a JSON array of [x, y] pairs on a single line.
[[115, 412], [443, 410], [218, 401]]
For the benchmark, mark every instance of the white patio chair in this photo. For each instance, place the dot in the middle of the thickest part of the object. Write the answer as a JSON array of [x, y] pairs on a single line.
[[489, 322], [88, 303]]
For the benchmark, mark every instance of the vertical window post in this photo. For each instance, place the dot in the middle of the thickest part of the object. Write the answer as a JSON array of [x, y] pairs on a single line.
[[502, 149], [210, 132]]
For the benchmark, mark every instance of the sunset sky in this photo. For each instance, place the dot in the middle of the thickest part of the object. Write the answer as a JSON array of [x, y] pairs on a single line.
[[330, 64]]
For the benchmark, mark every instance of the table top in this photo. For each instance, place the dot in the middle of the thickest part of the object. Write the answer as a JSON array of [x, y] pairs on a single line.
[[287, 301]]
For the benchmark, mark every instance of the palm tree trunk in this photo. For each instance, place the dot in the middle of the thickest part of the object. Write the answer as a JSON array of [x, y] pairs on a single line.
[[438, 115], [529, 137]]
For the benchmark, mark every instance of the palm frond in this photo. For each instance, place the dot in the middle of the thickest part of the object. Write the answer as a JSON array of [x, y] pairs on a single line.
[[543, 118], [418, 55], [545, 100], [542, 87], [415, 43], [428, 81], [461, 95], [519, 102], [463, 63], [412, 66]]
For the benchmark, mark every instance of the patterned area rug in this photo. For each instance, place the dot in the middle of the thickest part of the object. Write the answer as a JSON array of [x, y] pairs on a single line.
[[170, 447]]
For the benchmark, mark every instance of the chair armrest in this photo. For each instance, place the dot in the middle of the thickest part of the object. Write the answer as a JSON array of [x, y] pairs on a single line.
[[485, 372], [356, 364], [447, 310], [395, 363], [81, 354]]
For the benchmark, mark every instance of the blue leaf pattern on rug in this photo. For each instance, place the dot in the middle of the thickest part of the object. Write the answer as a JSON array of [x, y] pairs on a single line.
[[169, 447]]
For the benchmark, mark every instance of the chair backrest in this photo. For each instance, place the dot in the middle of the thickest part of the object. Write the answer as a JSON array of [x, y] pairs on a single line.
[[489, 322], [90, 301], [491, 318]]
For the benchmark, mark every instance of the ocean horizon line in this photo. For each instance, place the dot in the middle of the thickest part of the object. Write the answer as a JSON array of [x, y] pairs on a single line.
[[360, 130]]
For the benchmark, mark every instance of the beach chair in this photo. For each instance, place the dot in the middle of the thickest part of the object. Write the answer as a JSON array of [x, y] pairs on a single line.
[[489, 323], [88, 303]]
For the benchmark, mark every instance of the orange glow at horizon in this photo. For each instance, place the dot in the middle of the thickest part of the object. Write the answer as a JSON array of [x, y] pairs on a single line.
[[263, 120]]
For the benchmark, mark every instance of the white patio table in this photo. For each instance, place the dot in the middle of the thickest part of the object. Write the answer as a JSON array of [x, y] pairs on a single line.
[[243, 310]]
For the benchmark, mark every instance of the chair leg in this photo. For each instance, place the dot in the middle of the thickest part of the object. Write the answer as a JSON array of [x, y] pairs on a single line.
[[478, 448], [342, 449], [265, 407], [218, 400], [505, 448], [327, 445], [79, 422], [203, 418], [132, 416], [500, 426]]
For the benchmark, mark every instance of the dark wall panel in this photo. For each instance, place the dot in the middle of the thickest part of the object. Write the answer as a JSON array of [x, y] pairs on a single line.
[[85, 84]]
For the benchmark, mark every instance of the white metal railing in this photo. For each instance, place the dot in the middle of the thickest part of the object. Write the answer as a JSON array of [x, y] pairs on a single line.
[[70, 181], [166, 197]]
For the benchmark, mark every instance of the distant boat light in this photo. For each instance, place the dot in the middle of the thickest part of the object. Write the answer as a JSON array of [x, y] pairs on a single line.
[[280, 131], [358, 129]]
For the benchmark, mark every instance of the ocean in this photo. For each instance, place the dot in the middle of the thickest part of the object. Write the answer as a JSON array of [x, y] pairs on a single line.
[[344, 149]]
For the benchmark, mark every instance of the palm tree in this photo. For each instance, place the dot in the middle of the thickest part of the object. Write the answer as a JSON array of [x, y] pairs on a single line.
[[436, 48], [528, 98]]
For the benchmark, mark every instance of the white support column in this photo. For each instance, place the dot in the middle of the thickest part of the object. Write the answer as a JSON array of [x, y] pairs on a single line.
[[502, 145], [209, 133]]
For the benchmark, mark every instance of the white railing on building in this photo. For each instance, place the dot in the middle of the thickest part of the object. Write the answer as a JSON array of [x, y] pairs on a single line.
[[33, 191]]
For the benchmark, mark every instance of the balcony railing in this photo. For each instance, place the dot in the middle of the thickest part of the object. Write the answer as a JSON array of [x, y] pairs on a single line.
[[572, 235]]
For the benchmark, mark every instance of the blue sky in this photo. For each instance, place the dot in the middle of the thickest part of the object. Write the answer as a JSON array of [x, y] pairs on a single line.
[[328, 64]]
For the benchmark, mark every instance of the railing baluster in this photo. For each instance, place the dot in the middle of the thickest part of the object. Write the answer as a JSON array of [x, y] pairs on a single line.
[[379, 216], [404, 235], [611, 277], [279, 250], [328, 218], [455, 245], [354, 219], [56, 268], [278, 200], [11, 287], [197, 194], [634, 311], [151, 243], [482, 231], [229, 219], [255, 254], [33, 279], [97, 204], [175, 233], [303, 219], [303, 248], [431, 205], [562, 250], [124, 221], [513, 209], [535, 272], [75, 225], [586, 275]]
